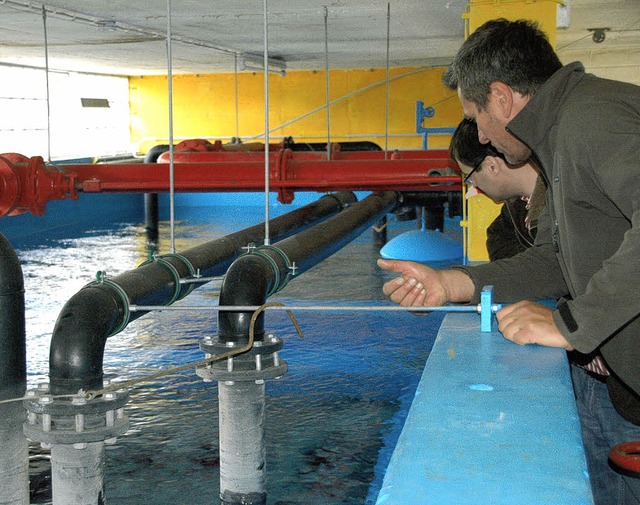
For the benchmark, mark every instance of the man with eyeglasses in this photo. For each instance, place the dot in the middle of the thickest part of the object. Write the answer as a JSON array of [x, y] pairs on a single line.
[[520, 187], [583, 132]]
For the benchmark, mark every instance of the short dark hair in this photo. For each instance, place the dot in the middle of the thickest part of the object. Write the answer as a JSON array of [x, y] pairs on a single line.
[[516, 53], [465, 147]]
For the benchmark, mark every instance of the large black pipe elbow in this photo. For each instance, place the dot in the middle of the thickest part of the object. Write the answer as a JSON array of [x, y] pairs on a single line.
[[13, 353], [247, 282], [151, 211], [79, 338]]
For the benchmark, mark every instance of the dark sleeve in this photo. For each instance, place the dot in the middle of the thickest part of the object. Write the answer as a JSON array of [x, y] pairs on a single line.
[[534, 274], [507, 235]]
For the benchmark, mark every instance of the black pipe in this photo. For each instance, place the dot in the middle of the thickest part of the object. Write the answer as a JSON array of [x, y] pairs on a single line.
[[100, 309], [434, 200], [379, 232], [432, 204], [255, 276], [357, 145], [13, 348], [154, 153], [14, 463], [151, 199], [151, 217]]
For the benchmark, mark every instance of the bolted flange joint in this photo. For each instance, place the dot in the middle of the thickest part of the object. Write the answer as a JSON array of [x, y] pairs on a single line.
[[259, 363], [74, 420]]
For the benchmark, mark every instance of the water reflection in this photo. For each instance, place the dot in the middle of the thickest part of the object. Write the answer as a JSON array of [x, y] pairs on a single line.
[[331, 420]]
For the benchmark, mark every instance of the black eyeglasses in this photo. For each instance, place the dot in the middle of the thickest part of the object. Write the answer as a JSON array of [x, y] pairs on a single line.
[[478, 165]]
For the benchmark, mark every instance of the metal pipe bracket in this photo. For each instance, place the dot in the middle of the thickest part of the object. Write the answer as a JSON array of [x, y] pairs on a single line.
[[74, 420]]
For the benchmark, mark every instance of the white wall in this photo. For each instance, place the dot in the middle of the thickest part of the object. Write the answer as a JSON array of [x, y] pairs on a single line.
[[75, 131], [619, 65]]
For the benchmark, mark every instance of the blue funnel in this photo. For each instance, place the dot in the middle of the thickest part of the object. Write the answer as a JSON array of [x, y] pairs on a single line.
[[422, 245]]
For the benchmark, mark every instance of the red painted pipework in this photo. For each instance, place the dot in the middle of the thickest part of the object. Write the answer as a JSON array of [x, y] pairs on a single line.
[[28, 184], [289, 172], [209, 155], [303, 167], [203, 145]]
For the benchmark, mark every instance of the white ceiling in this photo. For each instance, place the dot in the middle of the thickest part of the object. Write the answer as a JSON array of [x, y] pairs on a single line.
[[123, 37]]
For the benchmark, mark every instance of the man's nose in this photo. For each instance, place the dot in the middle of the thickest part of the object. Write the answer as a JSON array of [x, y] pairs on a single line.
[[482, 137]]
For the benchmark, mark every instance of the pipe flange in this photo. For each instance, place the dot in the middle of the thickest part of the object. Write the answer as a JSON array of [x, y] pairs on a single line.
[[74, 420], [233, 369], [10, 181], [261, 362], [270, 345]]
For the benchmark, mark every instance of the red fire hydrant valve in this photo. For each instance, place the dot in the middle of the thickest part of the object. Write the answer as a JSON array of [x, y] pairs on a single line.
[[27, 184]]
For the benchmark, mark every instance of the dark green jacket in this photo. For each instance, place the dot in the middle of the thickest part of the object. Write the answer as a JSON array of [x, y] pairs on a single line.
[[585, 133]]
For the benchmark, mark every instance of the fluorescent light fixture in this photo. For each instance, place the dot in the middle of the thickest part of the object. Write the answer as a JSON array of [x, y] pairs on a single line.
[[256, 62]]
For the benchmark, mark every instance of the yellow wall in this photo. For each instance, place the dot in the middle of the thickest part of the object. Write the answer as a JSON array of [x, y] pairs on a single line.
[[204, 106], [544, 12]]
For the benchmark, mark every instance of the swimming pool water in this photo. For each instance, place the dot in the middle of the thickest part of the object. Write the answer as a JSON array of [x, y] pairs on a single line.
[[331, 420]]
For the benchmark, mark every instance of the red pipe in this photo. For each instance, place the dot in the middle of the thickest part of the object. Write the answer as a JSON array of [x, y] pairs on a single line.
[[208, 155], [202, 145], [28, 184]]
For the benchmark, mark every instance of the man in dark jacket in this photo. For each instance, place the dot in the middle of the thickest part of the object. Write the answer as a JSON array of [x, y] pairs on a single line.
[[584, 134]]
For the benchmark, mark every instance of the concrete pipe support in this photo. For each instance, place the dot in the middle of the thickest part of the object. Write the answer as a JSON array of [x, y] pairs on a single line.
[[14, 457]]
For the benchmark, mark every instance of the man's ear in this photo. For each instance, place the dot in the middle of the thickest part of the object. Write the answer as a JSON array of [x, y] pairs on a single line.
[[502, 97], [494, 164], [508, 101]]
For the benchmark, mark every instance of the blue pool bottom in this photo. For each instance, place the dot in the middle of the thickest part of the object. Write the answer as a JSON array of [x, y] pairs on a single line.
[[331, 421], [488, 419]]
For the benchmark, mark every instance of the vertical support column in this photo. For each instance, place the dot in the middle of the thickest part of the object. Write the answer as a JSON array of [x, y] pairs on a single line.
[[76, 430], [14, 456], [77, 475], [242, 449], [241, 411], [14, 460]]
